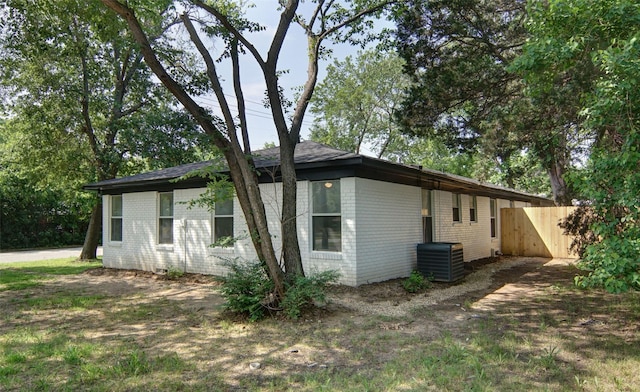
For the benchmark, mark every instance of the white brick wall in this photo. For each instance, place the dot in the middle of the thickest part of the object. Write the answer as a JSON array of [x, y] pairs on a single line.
[[192, 234], [139, 248], [381, 225], [388, 227], [474, 236]]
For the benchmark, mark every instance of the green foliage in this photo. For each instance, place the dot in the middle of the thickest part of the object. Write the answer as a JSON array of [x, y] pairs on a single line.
[[82, 106], [354, 105], [32, 213], [416, 282], [32, 217], [304, 291], [612, 181], [595, 46], [578, 225], [247, 289], [456, 53], [613, 263], [460, 56], [174, 273], [219, 186], [464, 93]]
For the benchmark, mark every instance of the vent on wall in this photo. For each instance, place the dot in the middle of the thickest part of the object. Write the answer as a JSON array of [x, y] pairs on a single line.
[[441, 261]]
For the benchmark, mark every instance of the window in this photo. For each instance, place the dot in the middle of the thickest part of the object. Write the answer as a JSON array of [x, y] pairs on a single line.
[[116, 218], [326, 216], [165, 218], [492, 208], [455, 201], [473, 207], [427, 220], [223, 220]]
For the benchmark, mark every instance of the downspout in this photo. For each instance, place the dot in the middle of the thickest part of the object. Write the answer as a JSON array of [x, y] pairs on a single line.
[[184, 228]]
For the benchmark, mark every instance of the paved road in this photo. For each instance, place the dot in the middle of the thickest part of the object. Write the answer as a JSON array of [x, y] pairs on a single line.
[[42, 254]]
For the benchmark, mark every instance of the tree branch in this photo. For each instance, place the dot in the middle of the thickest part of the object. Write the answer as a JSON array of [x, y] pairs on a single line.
[[309, 86], [213, 77], [237, 34], [237, 86], [281, 32], [355, 17], [317, 11], [152, 61], [87, 128]]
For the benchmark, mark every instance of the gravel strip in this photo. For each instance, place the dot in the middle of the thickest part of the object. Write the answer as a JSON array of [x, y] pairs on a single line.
[[477, 280]]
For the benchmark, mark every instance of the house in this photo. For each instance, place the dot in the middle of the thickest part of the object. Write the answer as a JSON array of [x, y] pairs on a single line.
[[358, 215]]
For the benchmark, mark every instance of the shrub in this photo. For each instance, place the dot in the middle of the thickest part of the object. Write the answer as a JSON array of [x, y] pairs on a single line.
[[246, 288], [303, 291], [578, 225], [612, 264], [416, 282], [174, 273]]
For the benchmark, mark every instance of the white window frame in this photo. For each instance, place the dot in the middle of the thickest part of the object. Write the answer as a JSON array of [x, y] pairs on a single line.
[[427, 212], [493, 222], [113, 217], [473, 206], [456, 201], [217, 215], [327, 184], [161, 240]]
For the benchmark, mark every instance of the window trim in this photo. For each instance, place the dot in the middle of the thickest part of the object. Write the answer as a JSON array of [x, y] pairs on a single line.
[[473, 206], [113, 217], [165, 217], [493, 218], [455, 207], [427, 215], [325, 215], [216, 216]]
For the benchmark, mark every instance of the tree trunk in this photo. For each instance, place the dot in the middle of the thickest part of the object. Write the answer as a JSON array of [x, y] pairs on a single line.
[[92, 238], [289, 229], [247, 188], [561, 192]]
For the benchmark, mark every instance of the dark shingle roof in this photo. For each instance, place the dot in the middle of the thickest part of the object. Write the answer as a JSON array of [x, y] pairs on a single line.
[[307, 152], [321, 160]]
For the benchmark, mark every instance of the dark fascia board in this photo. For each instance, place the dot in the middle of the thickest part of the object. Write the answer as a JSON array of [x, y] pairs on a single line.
[[376, 169], [360, 166]]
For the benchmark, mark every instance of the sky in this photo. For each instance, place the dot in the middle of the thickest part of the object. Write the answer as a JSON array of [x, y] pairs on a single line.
[[293, 58]]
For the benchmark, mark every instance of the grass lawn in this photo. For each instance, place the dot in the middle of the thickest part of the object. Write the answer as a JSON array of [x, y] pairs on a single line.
[[65, 330]]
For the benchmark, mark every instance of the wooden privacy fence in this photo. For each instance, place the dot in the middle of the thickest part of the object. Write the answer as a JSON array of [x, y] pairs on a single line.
[[534, 231]]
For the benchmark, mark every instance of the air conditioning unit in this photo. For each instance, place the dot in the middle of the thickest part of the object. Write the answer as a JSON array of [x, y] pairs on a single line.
[[441, 261]]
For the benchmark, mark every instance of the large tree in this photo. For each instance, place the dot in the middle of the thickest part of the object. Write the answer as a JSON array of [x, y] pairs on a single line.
[[223, 24], [458, 55], [82, 100], [355, 103], [355, 107], [38, 209], [596, 44]]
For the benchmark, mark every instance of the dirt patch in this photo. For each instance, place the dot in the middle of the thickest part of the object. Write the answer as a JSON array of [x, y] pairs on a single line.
[[388, 298], [359, 329], [444, 306], [124, 273]]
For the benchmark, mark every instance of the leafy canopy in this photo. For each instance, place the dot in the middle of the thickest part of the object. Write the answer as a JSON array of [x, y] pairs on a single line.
[[597, 44]]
